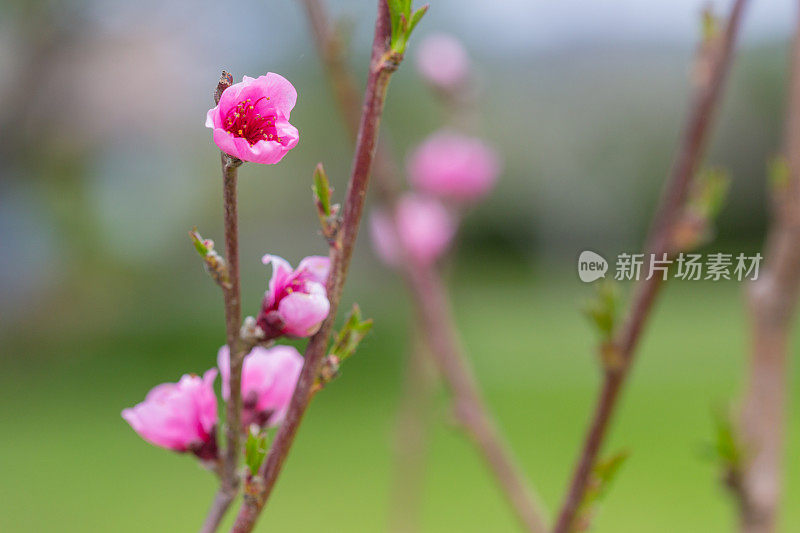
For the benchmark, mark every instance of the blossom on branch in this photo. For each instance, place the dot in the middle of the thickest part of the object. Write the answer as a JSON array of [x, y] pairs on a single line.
[[269, 376], [296, 301], [421, 227], [442, 61], [454, 166], [251, 121], [179, 416]]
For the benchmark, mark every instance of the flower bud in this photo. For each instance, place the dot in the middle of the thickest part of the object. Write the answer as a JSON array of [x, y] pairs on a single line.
[[296, 302]]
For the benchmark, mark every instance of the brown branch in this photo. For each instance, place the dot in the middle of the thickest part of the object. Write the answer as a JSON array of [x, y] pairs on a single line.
[[773, 302], [660, 240], [429, 298], [382, 65], [411, 442], [229, 480], [469, 407]]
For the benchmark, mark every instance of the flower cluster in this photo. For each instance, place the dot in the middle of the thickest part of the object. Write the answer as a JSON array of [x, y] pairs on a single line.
[[447, 171], [250, 123]]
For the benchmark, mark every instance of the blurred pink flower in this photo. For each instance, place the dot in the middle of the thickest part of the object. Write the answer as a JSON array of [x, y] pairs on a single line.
[[296, 302], [421, 225], [454, 166], [442, 61], [251, 121], [269, 376], [179, 416]]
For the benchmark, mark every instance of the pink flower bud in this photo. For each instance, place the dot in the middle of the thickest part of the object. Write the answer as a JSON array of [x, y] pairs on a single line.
[[296, 302], [442, 61], [179, 416], [251, 121], [269, 376], [454, 166], [421, 225]]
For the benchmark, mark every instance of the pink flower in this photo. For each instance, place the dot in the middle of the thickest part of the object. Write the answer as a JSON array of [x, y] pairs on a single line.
[[251, 121], [269, 376], [296, 302], [454, 166], [421, 225], [179, 416], [442, 61]]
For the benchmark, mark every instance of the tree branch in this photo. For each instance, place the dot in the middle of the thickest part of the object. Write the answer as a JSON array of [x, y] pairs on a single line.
[[693, 141], [431, 302], [773, 302], [229, 480], [382, 65], [411, 441]]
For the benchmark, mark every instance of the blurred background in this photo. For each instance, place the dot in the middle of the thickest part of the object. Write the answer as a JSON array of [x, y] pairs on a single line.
[[106, 165]]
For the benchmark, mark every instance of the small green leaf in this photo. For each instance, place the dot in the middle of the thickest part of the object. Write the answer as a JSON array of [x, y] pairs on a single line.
[[726, 447], [255, 449], [199, 243], [603, 475], [351, 334], [417, 16], [709, 193], [603, 307], [322, 190], [403, 22]]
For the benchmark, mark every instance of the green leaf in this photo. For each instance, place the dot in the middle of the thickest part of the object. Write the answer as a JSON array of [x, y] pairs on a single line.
[[709, 193], [199, 244], [255, 449], [403, 22], [322, 190], [417, 16], [602, 309], [351, 334], [603, 475], [726, 447]]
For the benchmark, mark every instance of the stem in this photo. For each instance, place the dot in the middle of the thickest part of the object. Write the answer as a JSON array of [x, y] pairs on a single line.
[[411, 441], [229, 481], [431, 303], [773, 302], [382, 66], [446, 350], [687, 160]]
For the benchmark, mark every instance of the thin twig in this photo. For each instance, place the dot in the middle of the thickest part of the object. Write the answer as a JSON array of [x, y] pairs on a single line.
[[229, 478], [693, 141], [469, 407], [445, 348], [411, 442], [773, 301], [382, 65]]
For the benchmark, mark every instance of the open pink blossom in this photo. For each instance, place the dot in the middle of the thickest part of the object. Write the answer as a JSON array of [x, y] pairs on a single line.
[[179, 416], [269, 376], [421, 225], [251, 121], [296, 301], [442, 61], [454, 166]]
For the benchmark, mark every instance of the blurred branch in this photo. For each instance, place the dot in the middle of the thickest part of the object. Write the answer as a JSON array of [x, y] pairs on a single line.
[[382, 66], [772, 305], [716, 55], [431, 301], [411, 440]]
